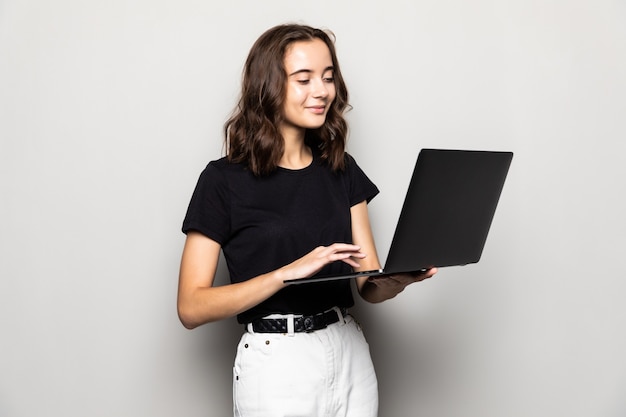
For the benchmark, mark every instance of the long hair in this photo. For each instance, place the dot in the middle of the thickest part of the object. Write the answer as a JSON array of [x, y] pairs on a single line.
[[251, 134]]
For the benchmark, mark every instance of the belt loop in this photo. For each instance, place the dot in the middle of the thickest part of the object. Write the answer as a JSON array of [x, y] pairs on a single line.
[[342, 320], [250, 328], [290, 325]]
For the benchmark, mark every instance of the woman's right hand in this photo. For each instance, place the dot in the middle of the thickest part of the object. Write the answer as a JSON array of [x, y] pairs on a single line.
[[314, 261]]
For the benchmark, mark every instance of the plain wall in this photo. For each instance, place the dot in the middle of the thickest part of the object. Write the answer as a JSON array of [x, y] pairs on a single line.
[[110, 110]]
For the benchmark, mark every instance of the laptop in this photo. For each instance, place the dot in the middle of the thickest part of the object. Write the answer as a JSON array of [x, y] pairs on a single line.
[[446, 215]]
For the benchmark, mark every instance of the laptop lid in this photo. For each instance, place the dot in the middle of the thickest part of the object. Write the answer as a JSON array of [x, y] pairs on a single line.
[[448, 209], [447, 212]]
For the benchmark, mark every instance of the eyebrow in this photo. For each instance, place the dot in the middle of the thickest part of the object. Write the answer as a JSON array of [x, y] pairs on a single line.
[[308, 71]]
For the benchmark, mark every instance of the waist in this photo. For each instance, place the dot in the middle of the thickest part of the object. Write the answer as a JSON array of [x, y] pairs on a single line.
[[290, 323]]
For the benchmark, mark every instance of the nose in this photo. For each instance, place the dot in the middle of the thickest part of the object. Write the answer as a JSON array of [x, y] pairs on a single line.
[[320, 89]]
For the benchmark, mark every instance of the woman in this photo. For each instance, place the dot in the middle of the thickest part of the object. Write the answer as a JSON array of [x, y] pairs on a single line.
[[288, 202]]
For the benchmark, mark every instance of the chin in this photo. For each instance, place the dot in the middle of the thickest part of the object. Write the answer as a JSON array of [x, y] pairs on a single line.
[[316, 124]]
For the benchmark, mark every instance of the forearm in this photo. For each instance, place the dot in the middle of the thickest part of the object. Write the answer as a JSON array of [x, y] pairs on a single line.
[[209, 304], [199, 302]]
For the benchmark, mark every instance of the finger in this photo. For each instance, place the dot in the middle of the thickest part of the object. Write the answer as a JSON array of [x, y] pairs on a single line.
[[351, 262], [340, 252], [427, 273], [347, 257], [431, 272], [344, 247]]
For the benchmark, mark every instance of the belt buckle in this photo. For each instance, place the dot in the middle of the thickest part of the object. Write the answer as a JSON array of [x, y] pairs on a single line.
[[309, 324], [316, 322]]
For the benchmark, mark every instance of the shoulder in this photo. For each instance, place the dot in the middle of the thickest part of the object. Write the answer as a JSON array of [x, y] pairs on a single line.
[[359, 184], [351, 165], [223, 168], [220, 176], [349, 159], [223, 164]]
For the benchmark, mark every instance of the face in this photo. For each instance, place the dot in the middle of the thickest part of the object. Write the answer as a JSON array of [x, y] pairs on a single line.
[[310, 85]]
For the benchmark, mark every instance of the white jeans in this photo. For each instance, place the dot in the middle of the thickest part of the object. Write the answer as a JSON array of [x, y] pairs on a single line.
[[327, 373]]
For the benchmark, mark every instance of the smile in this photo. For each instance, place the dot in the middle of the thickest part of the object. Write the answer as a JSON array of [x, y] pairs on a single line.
[[317, 109]]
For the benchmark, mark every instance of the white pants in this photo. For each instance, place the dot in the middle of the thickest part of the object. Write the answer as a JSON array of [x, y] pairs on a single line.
[[327, 373]]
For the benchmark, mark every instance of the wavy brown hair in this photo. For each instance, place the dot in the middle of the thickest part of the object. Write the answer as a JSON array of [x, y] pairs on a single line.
[[252, 133]]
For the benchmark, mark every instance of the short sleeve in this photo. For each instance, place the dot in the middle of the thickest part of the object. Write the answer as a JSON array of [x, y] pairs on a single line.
[[360, 187], [208, 211]]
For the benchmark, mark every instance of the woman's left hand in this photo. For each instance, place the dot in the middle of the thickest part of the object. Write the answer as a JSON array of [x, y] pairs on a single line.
[[399, 282]]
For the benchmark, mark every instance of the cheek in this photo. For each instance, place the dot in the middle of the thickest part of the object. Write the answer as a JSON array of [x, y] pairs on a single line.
[[298, 94], [332, 93]]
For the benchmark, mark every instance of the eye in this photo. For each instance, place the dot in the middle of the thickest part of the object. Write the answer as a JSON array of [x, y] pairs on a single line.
[[329, 79], [303, 82]]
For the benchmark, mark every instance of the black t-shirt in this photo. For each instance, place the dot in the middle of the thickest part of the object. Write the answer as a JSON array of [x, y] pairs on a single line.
[[264, 223]]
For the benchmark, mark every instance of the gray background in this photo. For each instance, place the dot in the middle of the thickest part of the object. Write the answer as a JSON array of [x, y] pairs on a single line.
[[110, 110]]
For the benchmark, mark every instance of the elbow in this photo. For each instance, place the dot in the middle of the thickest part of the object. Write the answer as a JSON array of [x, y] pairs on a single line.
[[189, 325], [192, 317], [187, 319]]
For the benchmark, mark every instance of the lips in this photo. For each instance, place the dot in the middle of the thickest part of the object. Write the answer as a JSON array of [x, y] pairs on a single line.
[[317, 109]]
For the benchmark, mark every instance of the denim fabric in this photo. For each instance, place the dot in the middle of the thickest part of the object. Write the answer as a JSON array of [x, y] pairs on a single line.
[[326, 373]]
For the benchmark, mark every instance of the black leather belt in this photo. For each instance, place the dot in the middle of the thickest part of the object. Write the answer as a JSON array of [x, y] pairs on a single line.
[[300, 324]]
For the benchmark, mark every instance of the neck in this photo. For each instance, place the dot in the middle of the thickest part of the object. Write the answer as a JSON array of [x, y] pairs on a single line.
[[296, 155]]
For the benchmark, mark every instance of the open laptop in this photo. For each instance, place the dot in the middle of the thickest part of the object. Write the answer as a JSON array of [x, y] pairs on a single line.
[[446, 215]]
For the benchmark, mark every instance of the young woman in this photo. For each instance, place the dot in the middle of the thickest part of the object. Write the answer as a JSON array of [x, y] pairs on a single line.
[[288, 202]]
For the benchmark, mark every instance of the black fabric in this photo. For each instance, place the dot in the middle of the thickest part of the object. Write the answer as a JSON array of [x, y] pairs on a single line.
[[264, 223]]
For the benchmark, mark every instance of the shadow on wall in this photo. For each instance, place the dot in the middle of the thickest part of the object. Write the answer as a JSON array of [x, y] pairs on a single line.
[[419, 358]]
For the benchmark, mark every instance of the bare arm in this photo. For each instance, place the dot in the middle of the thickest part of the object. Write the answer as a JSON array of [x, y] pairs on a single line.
[[199, 302], [380, 288]]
